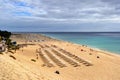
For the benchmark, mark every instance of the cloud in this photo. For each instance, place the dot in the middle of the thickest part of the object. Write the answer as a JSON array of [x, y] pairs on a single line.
[[56, 12], [61, 9]]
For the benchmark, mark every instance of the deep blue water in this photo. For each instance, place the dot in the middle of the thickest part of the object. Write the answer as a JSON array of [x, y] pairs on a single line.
[[109, 41]]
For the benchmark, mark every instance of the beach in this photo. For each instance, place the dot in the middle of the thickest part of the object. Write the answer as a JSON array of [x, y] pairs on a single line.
[[45, 58]]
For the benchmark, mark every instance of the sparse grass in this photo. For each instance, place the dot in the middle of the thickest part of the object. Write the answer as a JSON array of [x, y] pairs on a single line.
[[90, 53], [33, 60], [98, 57], [57, 72], [11, 51], [12, 57], [43, 65], [1, 53]]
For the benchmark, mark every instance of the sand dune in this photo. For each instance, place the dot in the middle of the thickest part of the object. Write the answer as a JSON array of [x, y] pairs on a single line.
[[50, 59]]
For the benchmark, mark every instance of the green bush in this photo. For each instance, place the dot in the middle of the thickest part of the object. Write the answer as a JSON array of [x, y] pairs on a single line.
[[5, 34]]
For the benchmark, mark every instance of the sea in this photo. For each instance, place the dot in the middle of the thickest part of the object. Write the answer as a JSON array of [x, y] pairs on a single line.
[[107, 41]]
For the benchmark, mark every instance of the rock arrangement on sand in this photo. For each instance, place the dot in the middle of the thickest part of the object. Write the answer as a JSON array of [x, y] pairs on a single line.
[[48, 50]]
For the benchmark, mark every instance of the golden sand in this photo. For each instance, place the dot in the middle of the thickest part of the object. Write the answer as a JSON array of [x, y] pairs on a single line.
[[45, 58]]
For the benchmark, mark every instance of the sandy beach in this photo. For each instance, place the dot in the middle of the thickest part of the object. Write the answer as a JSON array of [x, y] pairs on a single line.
[[44, 58]]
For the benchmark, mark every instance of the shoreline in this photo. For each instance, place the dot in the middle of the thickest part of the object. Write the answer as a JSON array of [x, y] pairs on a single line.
[[96, 49], [56, 39]]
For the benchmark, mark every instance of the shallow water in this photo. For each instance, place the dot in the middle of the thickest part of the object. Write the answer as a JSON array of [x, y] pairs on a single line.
[[109, 41]]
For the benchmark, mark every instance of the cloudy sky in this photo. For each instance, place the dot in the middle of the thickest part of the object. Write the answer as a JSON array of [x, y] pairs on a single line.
[[60, 15]]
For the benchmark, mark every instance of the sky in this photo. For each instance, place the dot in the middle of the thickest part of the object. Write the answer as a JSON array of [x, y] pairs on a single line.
[[60, 15]]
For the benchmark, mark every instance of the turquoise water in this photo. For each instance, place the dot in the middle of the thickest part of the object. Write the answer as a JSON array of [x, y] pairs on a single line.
[[102, 40]]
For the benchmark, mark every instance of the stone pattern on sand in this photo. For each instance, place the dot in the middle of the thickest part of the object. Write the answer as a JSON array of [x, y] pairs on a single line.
[[56, 54]]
